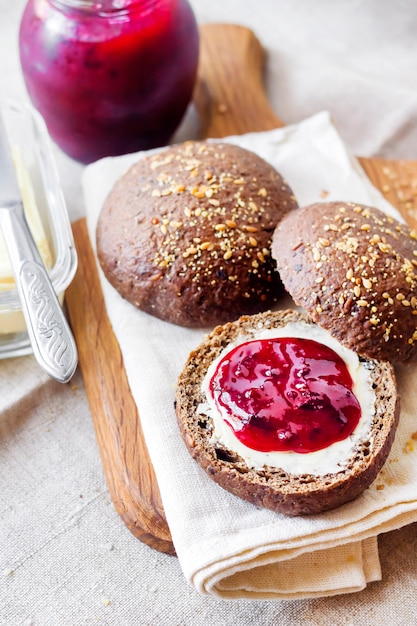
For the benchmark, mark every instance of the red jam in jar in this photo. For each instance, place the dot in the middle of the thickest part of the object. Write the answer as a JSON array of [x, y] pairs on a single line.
[[286, 394], [109, 76]]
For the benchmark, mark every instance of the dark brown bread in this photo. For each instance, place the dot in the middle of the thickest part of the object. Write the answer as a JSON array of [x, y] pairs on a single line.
[[271, 487], [185, 234], [353, 269]]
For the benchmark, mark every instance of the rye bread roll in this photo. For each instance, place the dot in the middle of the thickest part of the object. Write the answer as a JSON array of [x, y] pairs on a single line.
[[271, 486], [185, 234], [354, 270]]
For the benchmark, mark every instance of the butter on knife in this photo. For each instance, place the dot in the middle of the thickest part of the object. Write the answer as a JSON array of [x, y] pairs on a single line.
[[33, 219]]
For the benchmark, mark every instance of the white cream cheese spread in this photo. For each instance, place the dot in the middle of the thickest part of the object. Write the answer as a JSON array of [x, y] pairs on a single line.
[[328, 460]]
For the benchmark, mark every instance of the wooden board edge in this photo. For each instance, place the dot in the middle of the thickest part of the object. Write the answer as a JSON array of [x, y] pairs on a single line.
[[132, 486]]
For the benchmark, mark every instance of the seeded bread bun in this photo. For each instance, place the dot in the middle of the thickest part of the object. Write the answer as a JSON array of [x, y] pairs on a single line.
[[272, 487], [185, 234], [354, 270]]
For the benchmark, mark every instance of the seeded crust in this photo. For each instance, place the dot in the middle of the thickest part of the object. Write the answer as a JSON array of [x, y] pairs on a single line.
[[354, 270], [270, 487], [185, 234]]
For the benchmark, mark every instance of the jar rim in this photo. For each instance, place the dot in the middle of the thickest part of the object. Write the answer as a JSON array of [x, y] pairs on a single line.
[[101, 6]]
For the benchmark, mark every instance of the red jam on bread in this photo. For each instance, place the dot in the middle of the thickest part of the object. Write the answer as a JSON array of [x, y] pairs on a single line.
[[286, 394]]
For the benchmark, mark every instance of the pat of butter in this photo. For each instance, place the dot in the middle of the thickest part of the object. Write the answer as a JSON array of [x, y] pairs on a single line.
[[329, 460], [34, 222]]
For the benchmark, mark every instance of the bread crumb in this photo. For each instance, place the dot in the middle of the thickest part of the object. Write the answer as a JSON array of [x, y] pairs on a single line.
[[106, 601]]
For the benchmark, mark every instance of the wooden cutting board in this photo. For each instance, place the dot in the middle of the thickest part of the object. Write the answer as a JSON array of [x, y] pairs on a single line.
[[230, 99]]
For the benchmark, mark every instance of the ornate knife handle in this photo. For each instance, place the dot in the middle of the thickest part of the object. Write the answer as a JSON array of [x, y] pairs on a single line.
[[51, 338]]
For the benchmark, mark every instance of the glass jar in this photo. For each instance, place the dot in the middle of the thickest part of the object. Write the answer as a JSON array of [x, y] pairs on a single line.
[[112, 76]]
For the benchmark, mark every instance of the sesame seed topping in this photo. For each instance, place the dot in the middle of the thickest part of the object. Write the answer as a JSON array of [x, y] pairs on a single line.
[[384, 247], [324, 242]]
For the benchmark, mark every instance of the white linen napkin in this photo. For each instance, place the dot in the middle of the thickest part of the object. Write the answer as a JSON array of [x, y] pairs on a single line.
[[228, 547]]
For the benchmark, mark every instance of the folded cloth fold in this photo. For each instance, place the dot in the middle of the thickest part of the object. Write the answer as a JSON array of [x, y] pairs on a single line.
[[228, 547]]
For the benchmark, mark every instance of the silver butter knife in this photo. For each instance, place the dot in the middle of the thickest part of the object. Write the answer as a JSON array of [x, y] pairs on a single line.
[[50, 335]]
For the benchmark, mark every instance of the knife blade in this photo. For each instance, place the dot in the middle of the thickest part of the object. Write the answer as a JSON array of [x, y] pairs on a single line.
[[49, 332]]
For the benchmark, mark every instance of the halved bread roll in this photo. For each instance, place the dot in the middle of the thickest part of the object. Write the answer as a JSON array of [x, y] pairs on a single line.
[[291, 482]]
